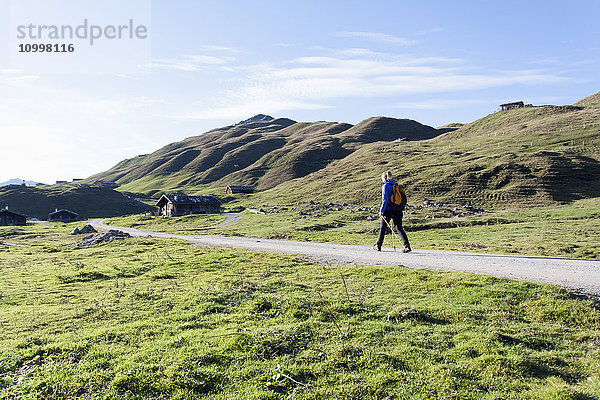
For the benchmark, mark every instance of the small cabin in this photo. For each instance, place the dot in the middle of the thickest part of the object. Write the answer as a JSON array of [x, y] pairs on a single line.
[[63, 216], [174, 205], [106, 184], [512, 106], [231, 189], [11, 218]]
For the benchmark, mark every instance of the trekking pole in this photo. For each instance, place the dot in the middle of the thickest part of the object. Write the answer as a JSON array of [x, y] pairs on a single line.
[[393, 233]]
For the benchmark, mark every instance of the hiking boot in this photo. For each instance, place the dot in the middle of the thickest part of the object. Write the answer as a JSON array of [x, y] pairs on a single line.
[[376, 247], [407, 250]]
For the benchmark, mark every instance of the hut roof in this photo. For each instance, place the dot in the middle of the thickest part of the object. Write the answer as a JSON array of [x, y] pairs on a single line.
[[63, 211], [184, 199], [6, 211]]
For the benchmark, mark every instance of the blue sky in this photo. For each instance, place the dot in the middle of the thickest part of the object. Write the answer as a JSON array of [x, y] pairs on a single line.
[[213, 63]]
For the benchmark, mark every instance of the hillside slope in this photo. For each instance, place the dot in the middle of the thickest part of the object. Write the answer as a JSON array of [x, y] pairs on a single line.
[[261, 151], [88, 202], [590, 100], [525, 157]]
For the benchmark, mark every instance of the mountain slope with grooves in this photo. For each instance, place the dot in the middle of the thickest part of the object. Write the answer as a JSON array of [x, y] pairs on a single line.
[[510, 159], [525, 157], [261, 151]]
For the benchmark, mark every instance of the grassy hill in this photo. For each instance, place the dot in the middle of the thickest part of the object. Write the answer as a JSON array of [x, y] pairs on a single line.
[[86, 201], [524, 157], [590, 100], [263, 152]]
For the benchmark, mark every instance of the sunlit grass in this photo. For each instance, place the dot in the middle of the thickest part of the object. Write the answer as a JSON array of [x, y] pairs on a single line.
[[149, 318], [571, 230]]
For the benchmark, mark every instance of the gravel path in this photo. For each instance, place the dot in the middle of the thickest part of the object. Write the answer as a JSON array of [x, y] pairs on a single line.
[[577, 275]]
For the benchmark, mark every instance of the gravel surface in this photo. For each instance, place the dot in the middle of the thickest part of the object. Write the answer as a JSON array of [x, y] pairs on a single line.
[[577, 275]]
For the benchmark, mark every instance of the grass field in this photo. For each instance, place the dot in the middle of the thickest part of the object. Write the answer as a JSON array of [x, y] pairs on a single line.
[[558, 231], [149, 318], [187, 224]]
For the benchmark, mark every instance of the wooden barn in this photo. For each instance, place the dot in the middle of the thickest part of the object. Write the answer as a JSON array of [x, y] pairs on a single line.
[[9, 218], [174, 205], [231, 189], [511, 106], [63, 216], [106, 184]]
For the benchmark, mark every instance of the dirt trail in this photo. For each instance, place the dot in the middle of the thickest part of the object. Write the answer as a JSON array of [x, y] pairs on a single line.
[[577, 275]]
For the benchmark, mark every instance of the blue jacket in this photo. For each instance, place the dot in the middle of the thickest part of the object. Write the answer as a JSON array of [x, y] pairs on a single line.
[[386, 193]]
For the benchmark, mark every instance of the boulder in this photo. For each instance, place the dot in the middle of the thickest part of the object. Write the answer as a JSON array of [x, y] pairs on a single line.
[[86, 229], [106, 237]]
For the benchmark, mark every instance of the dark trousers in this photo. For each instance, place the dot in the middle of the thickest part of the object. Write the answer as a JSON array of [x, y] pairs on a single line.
[[396, 217]]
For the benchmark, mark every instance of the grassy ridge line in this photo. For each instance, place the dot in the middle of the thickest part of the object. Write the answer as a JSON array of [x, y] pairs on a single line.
[[262, 154], [531, 156], [518, 158], [593, 100], [145, 318]]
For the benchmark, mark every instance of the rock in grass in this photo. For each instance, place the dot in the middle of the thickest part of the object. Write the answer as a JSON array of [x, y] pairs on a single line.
[[106, 237], [86, 229]]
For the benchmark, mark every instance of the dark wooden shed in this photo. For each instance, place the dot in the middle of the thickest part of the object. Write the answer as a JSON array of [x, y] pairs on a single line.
[[174, 205], [231, 189], [10, 218], [106, 184], [63, 216], [512, 106]]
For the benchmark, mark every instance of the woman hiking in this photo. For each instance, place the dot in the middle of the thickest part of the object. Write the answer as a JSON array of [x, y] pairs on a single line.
[[391, 211]]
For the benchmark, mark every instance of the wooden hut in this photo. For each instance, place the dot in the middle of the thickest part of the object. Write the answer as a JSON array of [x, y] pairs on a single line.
[[63, 216], [174, 205], [106, 184], [231, 189], [10, 218], [511, 106]]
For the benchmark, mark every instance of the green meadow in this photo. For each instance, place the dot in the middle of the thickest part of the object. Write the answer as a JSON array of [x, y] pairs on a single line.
[[144, 318], [570, 230]]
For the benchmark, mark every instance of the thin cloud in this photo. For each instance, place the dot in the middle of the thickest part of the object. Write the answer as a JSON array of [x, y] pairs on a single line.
[[16, 77], [428, 31], [20, 79], [210, 47], [250, 107], [190, 63], [311, 82], [440, 104], [379, 37]]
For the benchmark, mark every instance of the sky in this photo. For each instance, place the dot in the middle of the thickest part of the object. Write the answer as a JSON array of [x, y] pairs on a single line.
[[208, 64]]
